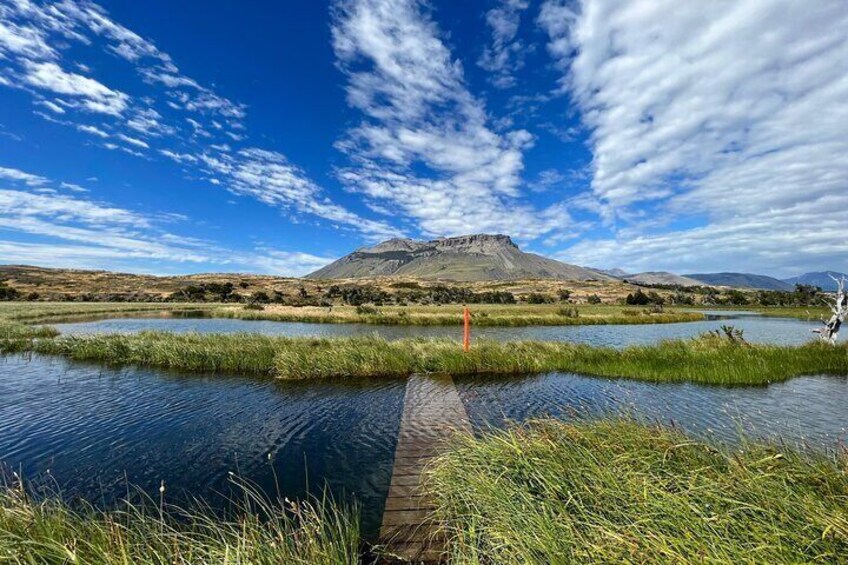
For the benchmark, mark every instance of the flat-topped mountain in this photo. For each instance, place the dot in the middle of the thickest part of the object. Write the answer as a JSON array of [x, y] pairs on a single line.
[[478, 257]]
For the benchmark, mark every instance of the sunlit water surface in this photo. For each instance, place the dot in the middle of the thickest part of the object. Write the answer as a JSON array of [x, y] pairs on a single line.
[[96, 429], [759, 329]]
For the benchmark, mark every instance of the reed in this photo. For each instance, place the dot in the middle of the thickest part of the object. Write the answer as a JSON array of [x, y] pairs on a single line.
[[620, 492], [706, 360], [16, 330], [258, 531]]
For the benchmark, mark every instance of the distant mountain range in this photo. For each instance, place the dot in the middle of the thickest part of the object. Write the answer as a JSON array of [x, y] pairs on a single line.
[[741, 280], [477, 257], [660, 277], [821, 279]]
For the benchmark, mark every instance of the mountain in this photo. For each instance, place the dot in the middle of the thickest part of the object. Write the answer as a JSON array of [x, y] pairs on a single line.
[[741, 280], [821, 280], [660, 277], [617, 273], [466, 258]]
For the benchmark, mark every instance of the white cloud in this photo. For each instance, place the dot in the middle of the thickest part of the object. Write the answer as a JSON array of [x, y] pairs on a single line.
[[176, 120], [288, 263], [17, 175], [73, 187], [270, 178], [731, 114], [133, 141], [505, 54], [95, 97], [418, 113], [93, 130]]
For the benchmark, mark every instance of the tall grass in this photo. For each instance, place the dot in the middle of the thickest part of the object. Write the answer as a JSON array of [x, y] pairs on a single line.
[[16, 330], [48, 530], [706, 360], [619, 492]]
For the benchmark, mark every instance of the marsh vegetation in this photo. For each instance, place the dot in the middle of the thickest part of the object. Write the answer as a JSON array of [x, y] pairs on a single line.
[[47, 529], [618, 492], [709, 359]]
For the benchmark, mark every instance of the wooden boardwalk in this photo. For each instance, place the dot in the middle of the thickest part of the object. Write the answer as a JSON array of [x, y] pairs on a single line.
[[432, 411]]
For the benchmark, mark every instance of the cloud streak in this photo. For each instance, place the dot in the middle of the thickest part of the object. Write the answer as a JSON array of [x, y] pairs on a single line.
[[168, 114], [505, 54], [424, 146], [729, 116]]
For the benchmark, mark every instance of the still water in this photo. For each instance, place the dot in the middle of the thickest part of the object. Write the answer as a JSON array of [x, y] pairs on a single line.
[[96, 429], [759, 329]]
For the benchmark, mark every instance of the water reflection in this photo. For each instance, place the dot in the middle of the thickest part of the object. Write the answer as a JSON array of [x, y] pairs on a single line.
[[96, 428], [757, 329]]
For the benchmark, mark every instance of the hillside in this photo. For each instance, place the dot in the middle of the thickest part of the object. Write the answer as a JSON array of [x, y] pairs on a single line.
[[467, 258], [90, 285], [660, 277], [820, 279], [741, 280]]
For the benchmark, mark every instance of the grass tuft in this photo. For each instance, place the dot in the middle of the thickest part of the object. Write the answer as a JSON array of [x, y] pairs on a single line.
[[49, 530], [619, 492]]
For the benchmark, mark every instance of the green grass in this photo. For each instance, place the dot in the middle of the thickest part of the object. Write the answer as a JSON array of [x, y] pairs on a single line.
[[48, 530], [705, 360], [416, 315], [16, 330], [620, 492]]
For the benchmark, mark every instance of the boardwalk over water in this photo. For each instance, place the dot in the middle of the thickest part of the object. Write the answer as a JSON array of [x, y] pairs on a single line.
[[432, 411]]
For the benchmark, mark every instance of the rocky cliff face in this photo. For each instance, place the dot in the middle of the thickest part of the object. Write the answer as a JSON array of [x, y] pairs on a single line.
[[466, 258]]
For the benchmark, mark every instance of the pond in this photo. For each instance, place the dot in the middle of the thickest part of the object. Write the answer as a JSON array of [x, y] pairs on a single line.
[[760, 329], [95, 428]]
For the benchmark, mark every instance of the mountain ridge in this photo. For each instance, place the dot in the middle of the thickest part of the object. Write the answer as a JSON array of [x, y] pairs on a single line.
[[741, 280], [475, 257], [820, 279]]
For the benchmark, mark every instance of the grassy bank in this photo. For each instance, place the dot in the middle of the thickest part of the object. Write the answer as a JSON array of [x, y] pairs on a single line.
[[50, 531], [16, 330], [482, 314], [618, 492], [812, 313], [707, 360], [56, 312]]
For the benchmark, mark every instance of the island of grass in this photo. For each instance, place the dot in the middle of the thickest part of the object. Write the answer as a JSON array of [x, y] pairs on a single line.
[[709, 359], [611, 491], [415, 315]]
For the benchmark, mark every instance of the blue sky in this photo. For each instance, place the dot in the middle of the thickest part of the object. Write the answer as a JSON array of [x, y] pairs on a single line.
[[173, 137]]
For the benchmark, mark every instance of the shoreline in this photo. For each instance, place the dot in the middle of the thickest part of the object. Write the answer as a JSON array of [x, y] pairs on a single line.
[[709, 359]]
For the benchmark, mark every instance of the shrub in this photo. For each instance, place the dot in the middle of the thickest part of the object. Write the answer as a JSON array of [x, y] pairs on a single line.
[[539, 298], [364, 309]]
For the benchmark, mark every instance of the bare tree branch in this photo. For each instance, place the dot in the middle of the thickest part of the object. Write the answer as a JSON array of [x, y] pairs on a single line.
[[839, 308]]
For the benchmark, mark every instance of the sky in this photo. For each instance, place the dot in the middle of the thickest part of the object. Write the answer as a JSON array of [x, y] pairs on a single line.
[[276, 136]]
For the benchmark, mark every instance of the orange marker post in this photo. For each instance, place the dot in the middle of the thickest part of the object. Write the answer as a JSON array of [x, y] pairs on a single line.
[[466, 334]]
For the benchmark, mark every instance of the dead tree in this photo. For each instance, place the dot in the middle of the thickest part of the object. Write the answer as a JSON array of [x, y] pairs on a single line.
[[839, 308]]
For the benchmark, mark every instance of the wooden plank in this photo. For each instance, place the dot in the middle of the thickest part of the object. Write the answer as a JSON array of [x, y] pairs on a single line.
[[432, 412]]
